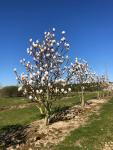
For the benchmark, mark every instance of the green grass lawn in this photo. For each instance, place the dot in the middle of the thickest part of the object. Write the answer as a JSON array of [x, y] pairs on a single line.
[[19, 116], [27, 115], [72, 99], [12, 101], [92, 136]]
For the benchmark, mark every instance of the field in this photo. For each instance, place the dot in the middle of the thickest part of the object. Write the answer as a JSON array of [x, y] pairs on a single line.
[[26, 115], [96, 134], [93, 136]]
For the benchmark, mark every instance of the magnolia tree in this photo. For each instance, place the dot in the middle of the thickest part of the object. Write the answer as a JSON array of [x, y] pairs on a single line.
[[102, 84], [82, 74], [98, 81], [46, 74]]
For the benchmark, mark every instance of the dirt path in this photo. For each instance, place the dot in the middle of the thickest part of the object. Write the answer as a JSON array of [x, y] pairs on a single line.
[[37, 136]]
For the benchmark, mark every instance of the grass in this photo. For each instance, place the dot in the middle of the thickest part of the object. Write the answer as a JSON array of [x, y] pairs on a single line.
[[18, 116], [73, 99], [92, 136], [12, 101]]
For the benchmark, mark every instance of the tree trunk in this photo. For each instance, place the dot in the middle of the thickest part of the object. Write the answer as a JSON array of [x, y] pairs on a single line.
[[82, 98], [41, 111], [47, 119], [103, 95], [109, 93], [98, 95], [47, 107], [41, 108]]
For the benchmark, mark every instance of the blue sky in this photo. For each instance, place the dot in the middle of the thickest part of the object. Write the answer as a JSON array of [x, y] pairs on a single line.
[[88, 23]]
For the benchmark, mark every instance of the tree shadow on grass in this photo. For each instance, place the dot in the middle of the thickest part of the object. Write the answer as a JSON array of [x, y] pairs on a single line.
[[11, 135]]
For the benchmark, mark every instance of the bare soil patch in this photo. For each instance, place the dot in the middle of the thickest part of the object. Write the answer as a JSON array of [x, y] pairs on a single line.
[[108, 145]]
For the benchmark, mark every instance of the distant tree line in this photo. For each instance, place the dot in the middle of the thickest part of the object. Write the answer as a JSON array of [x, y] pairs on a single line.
[[10, 91], [88, 87]]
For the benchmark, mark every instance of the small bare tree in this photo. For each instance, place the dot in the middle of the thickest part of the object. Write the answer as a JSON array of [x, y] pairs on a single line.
[[47, 73], [102, 85]]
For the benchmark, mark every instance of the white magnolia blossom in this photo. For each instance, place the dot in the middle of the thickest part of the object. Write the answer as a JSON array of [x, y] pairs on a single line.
[[53, 29], [69, 89], [56, 90], [37, 91], [67, 57], [30, 40], [37, 41], [40, 91], [63, 32], [62, 90], [25, 91], [16, 78], [65, 92], [14, 69], [20, 88], [63, 39], [30, 97], [30, 82]]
